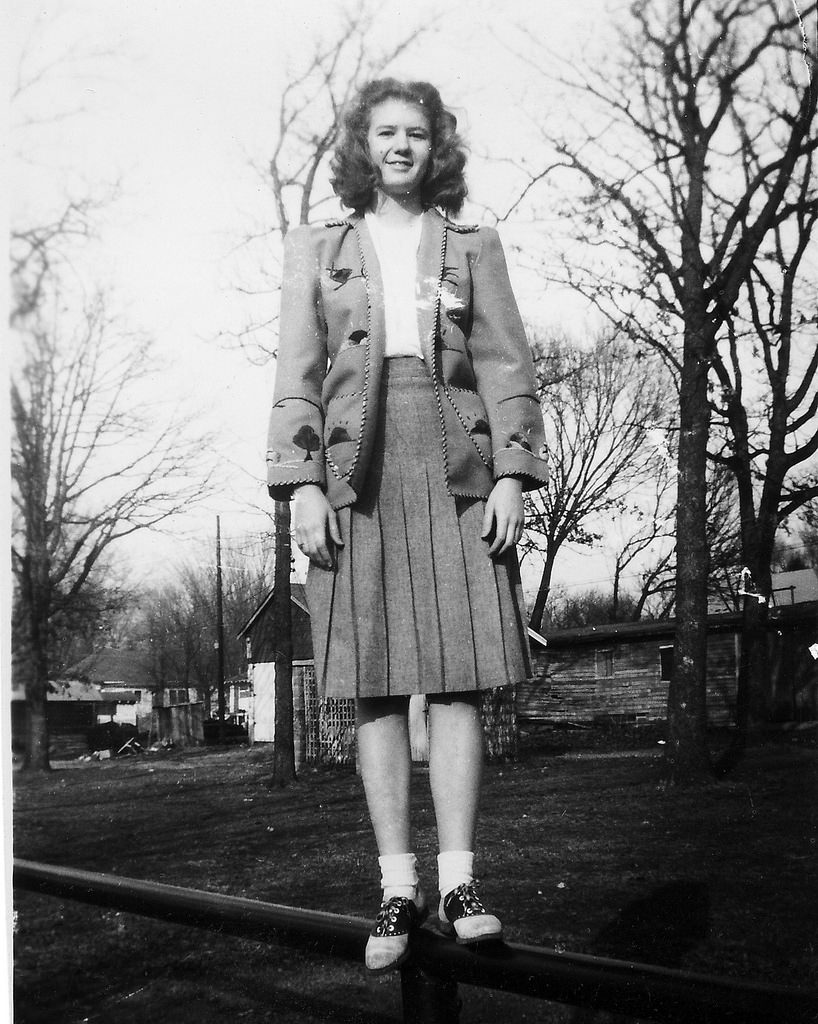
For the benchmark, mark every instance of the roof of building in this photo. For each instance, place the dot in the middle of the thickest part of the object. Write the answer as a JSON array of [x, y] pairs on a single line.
[[298, 596], [129, 668], [623, 631]]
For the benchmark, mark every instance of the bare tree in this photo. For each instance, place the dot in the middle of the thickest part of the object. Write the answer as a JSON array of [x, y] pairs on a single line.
[[642, 541], [89, 466], [297, 168], [767, 436], [81, 627], [650, 534], [36, 251], [177, 621], [600, 405], [588, 606], [652, 542], [691, 136]]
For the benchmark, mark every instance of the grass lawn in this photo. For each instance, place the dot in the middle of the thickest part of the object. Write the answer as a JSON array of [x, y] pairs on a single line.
[[580, 849]]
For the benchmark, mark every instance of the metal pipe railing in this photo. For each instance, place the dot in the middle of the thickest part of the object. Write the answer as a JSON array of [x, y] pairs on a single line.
[[438, 964]]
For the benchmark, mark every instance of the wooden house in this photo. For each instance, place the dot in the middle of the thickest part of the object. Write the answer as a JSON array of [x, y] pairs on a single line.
[[161, 709], [621, 672]]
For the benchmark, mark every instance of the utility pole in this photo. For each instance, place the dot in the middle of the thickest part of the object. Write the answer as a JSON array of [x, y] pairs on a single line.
[[220, 630]]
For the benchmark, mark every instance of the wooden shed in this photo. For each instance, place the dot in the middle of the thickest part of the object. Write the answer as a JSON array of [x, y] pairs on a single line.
[[621, 672], [73, 709]]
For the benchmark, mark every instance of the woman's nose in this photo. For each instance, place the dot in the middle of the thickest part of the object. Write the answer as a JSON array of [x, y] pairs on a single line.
[[401, 141]]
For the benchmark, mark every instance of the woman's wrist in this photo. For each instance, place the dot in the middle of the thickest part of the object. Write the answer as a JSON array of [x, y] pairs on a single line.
[[517, 481]]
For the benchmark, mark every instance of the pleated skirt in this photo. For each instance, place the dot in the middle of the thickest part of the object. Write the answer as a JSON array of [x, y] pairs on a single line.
[[415, 604]]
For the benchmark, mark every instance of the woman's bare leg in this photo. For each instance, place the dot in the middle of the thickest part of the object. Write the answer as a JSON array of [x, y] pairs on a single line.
[[455, 774], [455, 767], [385, 761]]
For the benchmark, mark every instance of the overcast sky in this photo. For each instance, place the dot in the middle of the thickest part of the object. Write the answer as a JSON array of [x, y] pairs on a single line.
[[175, 102]]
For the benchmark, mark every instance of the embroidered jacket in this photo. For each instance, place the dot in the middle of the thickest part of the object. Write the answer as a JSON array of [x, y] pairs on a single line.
[[331, 353]]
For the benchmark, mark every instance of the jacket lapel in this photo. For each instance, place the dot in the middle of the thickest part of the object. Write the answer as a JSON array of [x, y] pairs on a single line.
[[371, 269], [430, 268]]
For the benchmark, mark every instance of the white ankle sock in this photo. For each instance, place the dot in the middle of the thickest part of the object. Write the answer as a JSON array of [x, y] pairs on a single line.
[[399, 875], [453, 868]]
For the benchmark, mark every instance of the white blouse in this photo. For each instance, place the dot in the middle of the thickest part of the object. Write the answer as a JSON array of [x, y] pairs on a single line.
[[397, 248]]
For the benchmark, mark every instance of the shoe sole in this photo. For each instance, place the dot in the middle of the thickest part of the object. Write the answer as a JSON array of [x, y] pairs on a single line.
[[449, 930], [481, 940]]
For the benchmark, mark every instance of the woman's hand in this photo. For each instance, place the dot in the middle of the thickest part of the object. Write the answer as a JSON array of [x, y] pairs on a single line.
[[315, 525], [504, 516]]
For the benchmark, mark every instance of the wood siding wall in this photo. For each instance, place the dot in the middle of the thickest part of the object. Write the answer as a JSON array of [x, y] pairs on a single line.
[[620, 682]]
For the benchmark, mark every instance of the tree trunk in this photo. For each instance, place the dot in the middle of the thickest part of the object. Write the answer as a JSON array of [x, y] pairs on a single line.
[[752, 681], [544, 589], [761, 696], [687, 753], [33, 580], [751, 690], [36, 757], [283, 746], [615, 596]]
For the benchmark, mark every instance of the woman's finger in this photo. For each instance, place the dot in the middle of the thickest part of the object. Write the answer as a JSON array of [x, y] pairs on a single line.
[[507, 536], [505, 540], [318, 550], [488, 519], [500, 542], [335, 529]]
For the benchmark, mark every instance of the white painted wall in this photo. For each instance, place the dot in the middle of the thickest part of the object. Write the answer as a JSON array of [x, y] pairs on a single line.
[[263, 711]]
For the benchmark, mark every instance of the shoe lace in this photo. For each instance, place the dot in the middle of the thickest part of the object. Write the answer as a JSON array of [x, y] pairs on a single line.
[[387, 916], [466, 894]]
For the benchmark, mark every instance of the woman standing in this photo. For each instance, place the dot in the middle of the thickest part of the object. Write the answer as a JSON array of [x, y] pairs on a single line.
[[406, 425]]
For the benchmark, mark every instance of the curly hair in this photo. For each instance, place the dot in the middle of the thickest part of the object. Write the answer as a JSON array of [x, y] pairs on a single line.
[[354, 176]]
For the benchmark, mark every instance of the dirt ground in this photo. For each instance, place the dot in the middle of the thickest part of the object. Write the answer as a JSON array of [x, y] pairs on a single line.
[[580, 849]]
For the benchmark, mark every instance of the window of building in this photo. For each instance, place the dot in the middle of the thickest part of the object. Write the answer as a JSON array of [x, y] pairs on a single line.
[[604, 664], [666, 662]]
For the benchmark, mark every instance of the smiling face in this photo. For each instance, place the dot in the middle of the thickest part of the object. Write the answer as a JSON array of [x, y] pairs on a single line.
[[400, 146]]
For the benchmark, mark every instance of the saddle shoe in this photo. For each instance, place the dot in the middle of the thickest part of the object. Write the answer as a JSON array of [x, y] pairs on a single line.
[[388, 944], [462, 913]]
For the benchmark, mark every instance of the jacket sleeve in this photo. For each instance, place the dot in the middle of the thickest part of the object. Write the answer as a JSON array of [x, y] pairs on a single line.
[[295, 445], [504, 369]]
